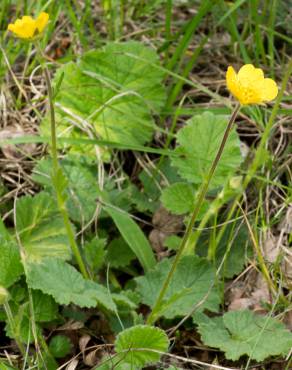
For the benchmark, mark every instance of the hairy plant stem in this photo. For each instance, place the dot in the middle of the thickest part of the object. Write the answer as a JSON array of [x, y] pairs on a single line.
[[57, 171], [201, 196], [11, 322]]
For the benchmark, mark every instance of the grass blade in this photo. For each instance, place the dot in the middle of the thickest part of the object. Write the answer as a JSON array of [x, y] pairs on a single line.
[[134, 236]]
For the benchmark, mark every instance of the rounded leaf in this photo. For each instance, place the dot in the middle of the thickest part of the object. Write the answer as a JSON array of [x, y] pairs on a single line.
[[138, 344]]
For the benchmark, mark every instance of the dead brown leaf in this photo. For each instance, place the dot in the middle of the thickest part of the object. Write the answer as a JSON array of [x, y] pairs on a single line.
[[16, 151], [165, 224], [249, 295], [72, 365]]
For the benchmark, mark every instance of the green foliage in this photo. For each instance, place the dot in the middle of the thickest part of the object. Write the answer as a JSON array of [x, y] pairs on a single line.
[[4, 295], [192, 282], [110, 101], [5, 366], [45, 309], [135, 344], [22, 326], [40, 227], [178, 198], [240, 333], [172, 242], [42, 309], [10, 264], [133, 235], [198, 143], [112, 92], [119, 253], [152, 181], [95, 253], [233, 249], [55, 277], [82, 187], [60, 346]]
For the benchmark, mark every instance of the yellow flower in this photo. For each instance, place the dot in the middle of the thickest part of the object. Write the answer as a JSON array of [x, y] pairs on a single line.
[[249, 85], [27, 27]]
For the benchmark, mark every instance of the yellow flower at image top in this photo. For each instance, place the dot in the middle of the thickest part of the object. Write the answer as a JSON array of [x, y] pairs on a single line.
[[27, 27], [249, 85]]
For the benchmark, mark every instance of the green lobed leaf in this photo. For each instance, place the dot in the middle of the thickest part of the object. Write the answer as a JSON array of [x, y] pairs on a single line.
[[82, 187], [132, 344], [10, 264], [197, 145], [119, 253], [134, 236], [239, 333], [178, 198], [40, 227], [55, 277], [191, 283], [22, 326], [60, 346], [94, 253], [113, 90], [233, 249], [45, 309], [172, 242]]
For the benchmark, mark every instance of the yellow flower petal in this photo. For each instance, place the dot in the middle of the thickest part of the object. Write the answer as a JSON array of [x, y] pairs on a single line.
[[25, 18], [232, 82], [24, 30], [27, 27], [248, 74], [42, 21], [230, 78], [249, 86], [269, 89], [11, 27]]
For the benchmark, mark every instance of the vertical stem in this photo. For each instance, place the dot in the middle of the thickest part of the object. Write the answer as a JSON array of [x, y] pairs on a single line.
[[12, 326], [168, 14], [202, 193], [56, 172], [261, 259]]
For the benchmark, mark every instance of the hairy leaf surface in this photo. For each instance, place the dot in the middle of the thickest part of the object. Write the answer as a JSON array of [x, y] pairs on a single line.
[[10, 264], [239, 333], [191, 284], [133, 344], [111, 92], [40, 227], [197, 144], [55, 277]]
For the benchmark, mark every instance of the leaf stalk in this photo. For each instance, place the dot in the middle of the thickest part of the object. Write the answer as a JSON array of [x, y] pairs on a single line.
[[57, 171], [202, 194]]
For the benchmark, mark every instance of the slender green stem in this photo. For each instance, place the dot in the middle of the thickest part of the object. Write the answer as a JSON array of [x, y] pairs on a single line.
[[56, 172], [202, 193], [168, 15], [257, 248], [11, 322]]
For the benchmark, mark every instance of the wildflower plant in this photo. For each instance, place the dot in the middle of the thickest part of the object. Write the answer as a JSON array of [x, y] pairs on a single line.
[[249, 87], [112, 94], [30, 29]]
